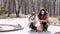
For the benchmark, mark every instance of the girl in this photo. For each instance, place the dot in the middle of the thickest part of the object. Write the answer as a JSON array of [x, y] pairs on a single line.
[[32, 20]]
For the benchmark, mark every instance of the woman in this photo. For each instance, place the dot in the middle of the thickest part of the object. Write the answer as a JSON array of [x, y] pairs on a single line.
[[43, 19], [32, 20]]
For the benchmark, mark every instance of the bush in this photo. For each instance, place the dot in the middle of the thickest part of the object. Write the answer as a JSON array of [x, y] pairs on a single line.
[[2, 11], [59, 19]]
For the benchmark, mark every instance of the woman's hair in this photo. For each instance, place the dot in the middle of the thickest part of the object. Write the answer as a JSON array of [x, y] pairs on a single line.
[[40, 14]]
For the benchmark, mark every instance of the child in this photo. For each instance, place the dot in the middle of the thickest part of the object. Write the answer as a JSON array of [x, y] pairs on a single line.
[[32, 20]]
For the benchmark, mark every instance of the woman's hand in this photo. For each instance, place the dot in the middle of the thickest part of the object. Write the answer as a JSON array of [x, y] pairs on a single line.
[[42, 20]]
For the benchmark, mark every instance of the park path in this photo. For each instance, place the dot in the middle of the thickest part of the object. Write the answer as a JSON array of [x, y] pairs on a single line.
[[24, 23]]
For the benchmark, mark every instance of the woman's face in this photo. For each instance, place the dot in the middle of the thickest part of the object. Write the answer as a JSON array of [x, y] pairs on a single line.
[[42, 12]]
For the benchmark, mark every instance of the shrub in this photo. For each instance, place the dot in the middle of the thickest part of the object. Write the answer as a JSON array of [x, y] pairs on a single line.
[[2, 11], [59, 19]]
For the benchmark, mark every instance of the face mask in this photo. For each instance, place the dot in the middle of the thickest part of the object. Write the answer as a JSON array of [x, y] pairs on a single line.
[[42, 12]]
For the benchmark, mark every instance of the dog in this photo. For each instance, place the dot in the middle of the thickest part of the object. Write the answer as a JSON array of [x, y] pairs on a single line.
[[40, 27]]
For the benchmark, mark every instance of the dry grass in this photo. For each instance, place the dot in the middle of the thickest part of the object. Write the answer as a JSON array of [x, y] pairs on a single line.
[[56, 20]]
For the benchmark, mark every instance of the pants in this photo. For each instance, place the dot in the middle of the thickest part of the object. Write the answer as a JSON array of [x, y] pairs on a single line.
[[32, 26], [45, 26]]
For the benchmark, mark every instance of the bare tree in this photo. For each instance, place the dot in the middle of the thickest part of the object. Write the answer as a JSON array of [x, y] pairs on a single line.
[[20, 2], [9, 8], [27, 6]]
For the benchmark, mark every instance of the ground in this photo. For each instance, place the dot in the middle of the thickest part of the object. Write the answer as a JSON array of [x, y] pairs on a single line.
[[24, 23]]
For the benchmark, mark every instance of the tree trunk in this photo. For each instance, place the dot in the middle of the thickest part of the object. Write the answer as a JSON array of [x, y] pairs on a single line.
[[9, 8], [19, 5], [17, 14]]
